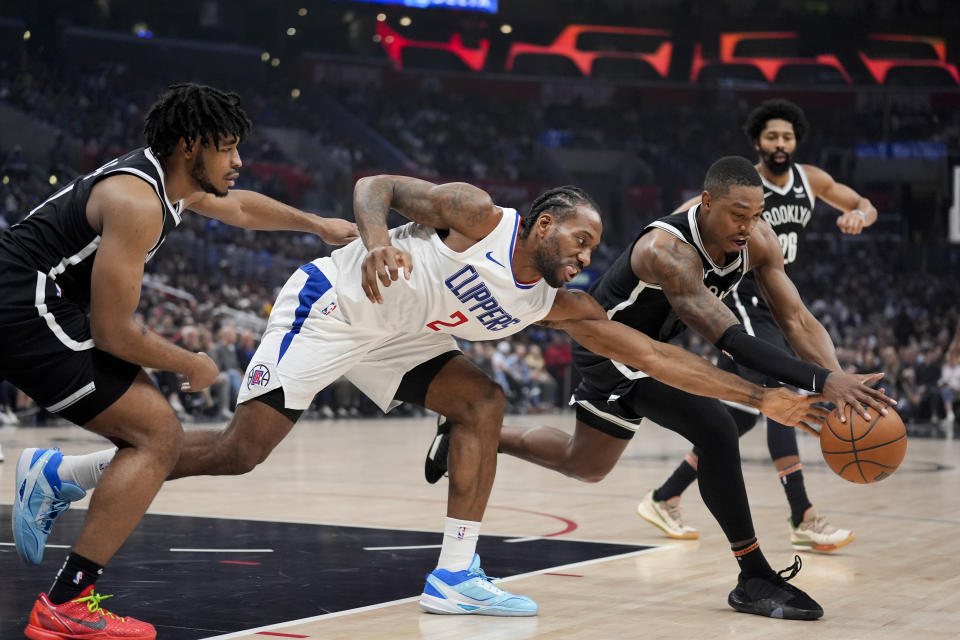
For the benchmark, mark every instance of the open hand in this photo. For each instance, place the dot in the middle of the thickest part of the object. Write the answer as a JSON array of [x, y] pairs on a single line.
[[852, 389]]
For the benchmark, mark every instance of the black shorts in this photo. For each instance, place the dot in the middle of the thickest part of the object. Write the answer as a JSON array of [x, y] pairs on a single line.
[[691, 416], [47, 352]]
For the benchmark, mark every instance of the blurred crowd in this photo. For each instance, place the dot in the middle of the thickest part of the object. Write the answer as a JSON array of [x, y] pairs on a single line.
[[211, 287]]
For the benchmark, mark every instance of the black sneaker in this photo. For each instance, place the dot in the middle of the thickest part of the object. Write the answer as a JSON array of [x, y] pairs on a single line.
[[435, 466], [773, 597]]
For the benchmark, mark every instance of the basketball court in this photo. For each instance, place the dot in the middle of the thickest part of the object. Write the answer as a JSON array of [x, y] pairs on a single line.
[[332, 536]]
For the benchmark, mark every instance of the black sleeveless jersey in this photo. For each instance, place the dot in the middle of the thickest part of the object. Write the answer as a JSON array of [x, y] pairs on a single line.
[[56, 239], [788, 210], [643, 305]]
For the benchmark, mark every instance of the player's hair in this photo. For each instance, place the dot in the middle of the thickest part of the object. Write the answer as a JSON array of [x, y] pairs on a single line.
[[776, 108], [730, 171], [560, 202], [194, 112]]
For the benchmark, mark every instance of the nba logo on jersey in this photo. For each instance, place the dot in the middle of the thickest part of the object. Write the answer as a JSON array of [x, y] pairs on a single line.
[[259, 376], [462, 531], [327, 310], [77, 578]]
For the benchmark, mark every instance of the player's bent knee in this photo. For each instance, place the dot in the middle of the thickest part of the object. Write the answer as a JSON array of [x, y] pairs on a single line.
[[484, 406]]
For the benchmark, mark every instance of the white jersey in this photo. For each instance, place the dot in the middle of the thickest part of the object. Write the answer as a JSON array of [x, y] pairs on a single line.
[[470, 294], [323, 326]]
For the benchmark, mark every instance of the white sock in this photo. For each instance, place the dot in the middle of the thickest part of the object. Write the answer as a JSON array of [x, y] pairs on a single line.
[[86, 470], [459, 544]]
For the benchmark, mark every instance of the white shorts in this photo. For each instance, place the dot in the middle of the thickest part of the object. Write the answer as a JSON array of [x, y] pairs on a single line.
[[308, 344]]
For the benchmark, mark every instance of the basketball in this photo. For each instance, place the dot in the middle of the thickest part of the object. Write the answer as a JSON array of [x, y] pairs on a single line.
[[864, 451]]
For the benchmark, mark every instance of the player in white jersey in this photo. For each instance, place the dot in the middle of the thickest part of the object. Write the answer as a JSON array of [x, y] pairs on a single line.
[[384, 314]]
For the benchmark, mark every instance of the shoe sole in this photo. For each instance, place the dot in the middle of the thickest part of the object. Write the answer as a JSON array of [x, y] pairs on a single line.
[[20, 514], [774, 610], [654, 518], [441, 606], [37, 633], [823, 548]]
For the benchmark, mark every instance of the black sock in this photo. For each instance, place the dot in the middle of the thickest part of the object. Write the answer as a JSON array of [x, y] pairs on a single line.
[[683, 476], [76, 574], [750, 558], [792, 479]]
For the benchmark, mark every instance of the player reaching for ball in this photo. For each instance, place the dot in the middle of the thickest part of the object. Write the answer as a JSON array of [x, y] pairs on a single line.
[[673, 277], [774, 128]]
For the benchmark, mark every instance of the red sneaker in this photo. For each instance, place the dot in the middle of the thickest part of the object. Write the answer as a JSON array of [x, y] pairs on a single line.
[[83, 619]]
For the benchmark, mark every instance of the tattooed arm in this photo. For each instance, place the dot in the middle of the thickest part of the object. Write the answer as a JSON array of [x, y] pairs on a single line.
[[468, 212], [457, 206], [580, 316], [659, 257]]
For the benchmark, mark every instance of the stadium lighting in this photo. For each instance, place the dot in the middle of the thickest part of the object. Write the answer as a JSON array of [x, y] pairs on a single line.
[[505, 28], [292, 31], [405, 21]]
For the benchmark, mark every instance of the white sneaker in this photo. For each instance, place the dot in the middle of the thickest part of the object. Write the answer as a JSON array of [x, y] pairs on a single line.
[[816, 534], [665, 514]]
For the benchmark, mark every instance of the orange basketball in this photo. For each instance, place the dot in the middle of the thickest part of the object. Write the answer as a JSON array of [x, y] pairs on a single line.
[[862, 451]]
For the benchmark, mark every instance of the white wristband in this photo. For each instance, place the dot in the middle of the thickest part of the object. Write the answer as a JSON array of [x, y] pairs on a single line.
[[862, 214]]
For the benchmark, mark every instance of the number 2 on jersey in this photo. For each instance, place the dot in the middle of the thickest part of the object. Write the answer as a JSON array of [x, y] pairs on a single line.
[[458, 316]]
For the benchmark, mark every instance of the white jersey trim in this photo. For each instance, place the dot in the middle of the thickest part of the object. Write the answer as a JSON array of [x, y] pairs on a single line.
[[806, 185], [162, 193], [784, 190], [76, 258], [587, 405], [77, 395], [45, 313], [63, 191], [695, 232]]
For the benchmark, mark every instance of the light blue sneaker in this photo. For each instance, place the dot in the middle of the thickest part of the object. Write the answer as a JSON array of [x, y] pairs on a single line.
[[39, 499], [470, 591]]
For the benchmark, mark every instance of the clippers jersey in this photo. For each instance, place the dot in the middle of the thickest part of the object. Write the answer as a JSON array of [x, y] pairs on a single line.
[[643, 305], [788, 209], [56, 239], [470, 294]]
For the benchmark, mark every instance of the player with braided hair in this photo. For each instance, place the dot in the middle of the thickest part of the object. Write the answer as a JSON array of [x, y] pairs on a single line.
[[71, 273], [469, 269], [674, 276]]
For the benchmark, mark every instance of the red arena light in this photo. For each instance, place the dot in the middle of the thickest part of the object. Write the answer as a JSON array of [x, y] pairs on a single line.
[[880, 67], [566, 45], [768, 66]]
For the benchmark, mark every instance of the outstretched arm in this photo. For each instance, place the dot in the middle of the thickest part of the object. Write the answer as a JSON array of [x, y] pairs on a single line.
[[457, 206], [857, 212], [252, 210], [584, 319], [804, 332]]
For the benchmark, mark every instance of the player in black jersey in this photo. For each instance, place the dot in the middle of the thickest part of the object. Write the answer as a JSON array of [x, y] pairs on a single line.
[[775, 128], [70, 280], [672, 277]]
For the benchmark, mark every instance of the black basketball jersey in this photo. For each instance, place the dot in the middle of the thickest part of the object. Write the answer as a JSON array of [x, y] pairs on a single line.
[[788, 210], [56, 239], [643, 305]]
